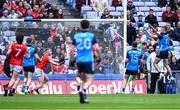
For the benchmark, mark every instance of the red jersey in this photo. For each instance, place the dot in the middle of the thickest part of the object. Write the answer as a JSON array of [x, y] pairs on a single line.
[[17, 53], [44, 60]]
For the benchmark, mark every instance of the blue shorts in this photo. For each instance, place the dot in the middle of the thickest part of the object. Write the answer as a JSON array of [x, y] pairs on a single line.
[[86, 67], [163, 54], [16, 68]]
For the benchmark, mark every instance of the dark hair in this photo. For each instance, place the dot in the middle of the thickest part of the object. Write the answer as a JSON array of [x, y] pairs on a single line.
[[19, 38], [151, 10], [165, 28], [134, 44], [139, 15], [144, 43], [155, 45], [29, 40], [84, 24]]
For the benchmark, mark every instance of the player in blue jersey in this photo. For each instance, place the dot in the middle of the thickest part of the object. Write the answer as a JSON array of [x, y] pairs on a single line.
[[133, 59], [84, 42], [29, 65], [164, 46]]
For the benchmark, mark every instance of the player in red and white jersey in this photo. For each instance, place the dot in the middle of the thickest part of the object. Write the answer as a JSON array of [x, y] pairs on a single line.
[[39, 73], [16, 51]]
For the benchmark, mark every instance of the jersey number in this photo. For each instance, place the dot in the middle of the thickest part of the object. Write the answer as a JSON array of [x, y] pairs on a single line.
[[83, 44], [134, 58], [18, 52]]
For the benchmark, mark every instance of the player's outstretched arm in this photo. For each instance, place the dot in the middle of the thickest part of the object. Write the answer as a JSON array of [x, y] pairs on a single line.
[[155, 36], [53, 62]]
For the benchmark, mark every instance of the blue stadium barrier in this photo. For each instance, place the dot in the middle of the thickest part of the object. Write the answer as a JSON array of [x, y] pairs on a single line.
[[71, 77]]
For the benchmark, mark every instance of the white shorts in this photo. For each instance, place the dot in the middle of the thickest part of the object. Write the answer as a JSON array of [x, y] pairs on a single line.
[[16, 68], [38, 72]]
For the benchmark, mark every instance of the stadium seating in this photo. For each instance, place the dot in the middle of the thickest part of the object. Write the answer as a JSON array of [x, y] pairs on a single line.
[[119, 9], [85, 9], [116, 14], [144, 9], [176, 43], [92, 15], [111, 8], [150, 4], [139, 4]]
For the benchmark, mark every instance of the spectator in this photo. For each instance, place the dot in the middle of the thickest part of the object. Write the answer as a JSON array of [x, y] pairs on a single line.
[[13, 15], [139, 22], [46, 5], [116, 66], [100, 5], [21, 10], [67, 31], [49, 43], [59, 37], [162, 3], [174, 5], [57, 53], [34, 2], [60, 14], [44, 32], [105, 67], [177, 32], [11, 5], [169, 29], [80, 3], [68, 47], [131, 7], [43, 8], [53, 30], [35, 11], [5, 14], [6, 49], [110, 56], [130, 16], [2, 3], [40, 49], [151, 18], [29, 16], [177, 15], [63, 48], [168, 15], [27, 6], [1, 6], [170, 56], [153, 72], [41, 16], [116, 3], [143, 36], [54, 10], [131, 33], [51, 15], [59, 69], [174, 65], [106, 14]]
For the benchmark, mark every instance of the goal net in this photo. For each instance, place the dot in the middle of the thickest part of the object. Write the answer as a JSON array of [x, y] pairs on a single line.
[[55, 34]]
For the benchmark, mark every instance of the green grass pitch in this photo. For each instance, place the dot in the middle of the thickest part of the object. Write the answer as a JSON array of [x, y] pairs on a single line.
[[97, 102]]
